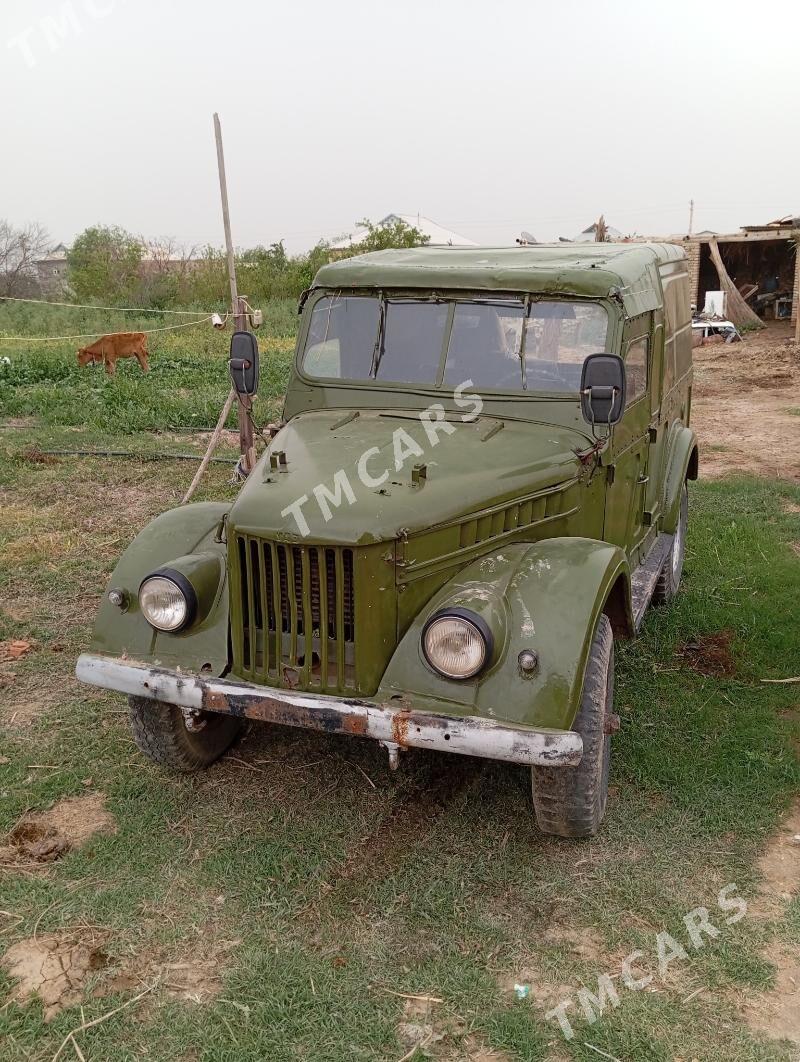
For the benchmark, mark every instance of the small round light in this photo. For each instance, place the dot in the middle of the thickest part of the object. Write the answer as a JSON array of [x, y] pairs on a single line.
[[455, 646], [118, 597], [528, 660], [163, 603]]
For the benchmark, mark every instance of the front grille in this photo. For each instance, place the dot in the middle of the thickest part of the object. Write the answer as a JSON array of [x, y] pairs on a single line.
[[297, 614]]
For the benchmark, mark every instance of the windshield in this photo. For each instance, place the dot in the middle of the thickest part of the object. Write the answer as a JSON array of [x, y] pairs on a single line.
[[511, 344]]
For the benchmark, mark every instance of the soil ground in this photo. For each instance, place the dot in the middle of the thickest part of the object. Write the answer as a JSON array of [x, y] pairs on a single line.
[[746, 405]]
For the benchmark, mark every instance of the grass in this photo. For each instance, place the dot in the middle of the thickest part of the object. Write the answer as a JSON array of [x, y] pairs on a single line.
[[186, 385], [316, 884]]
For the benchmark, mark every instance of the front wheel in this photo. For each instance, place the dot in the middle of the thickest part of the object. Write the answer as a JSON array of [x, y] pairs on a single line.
[[669, 580], [571, 801], [183, 743]]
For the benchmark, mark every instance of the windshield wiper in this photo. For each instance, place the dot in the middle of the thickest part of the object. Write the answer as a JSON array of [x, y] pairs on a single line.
[[523, 368], [380, 339]]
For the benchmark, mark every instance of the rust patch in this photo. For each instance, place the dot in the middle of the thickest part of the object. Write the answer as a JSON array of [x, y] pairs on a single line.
[[355, 724], [709, 654], [400, 724]]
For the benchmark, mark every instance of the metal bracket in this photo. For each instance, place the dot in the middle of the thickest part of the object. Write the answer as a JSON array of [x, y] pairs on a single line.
[[394, 754], [193, 719]]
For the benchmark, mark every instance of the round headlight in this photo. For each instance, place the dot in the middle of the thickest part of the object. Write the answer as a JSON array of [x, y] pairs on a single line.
[[456, 643], [164, 604]]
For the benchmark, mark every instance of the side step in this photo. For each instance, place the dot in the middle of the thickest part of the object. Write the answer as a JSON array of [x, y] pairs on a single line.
[[644, 579]]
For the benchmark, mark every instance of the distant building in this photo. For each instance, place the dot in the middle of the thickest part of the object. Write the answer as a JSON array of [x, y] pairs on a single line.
[[761, 261], [438, 236], [588, 235], [51, 271]]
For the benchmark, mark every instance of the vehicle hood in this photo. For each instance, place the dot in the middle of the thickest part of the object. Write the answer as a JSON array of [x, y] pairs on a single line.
[[481, 463]]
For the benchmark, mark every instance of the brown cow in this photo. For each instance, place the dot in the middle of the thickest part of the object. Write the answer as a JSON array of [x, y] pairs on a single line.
[[118, 345]]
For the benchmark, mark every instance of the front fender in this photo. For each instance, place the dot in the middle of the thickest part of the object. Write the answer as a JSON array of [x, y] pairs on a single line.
[[682, 460], [546, 597], [185, 530]]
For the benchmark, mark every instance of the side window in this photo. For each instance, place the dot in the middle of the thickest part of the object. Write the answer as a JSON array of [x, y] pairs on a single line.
[[636, 368]]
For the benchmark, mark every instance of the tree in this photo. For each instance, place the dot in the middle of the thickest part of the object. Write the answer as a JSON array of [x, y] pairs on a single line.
[[19, 251], [104, 263], [393, 232]]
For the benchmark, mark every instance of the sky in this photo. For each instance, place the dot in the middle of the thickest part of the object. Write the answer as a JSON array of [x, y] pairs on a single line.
[[489, 118]]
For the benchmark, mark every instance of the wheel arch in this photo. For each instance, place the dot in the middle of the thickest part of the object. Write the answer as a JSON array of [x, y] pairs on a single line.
[[547, 597], [683, 461]]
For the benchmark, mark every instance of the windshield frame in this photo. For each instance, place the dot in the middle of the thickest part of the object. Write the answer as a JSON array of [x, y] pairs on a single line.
[[523, 299]]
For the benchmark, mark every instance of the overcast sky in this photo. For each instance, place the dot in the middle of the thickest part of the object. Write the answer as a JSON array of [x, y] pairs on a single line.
[[487, 117]]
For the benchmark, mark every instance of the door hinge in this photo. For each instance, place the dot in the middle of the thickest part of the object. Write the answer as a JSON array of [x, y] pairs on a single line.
[[652, 434], [647, 518], [610, 472]]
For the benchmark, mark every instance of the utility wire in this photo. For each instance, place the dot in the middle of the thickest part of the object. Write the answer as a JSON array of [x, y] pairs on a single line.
[[97, 335], [88, 306]]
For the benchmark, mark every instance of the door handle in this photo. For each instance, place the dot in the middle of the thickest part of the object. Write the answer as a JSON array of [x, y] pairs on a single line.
[[643, 479]]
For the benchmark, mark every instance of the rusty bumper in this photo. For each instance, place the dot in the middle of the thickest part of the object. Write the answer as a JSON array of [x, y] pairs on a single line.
[[391, 724]]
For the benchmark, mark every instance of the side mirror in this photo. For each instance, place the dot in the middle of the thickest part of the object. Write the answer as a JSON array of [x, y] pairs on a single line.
[[603, 388], [243, 363]]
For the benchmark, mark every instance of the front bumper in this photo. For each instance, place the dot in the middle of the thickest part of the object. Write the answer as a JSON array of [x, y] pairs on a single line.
[[393, 724]]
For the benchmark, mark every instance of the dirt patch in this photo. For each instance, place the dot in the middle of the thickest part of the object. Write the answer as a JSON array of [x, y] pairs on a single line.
[[54, 967], [740, 401], [443, 1037], [529, 983], [42, 837], [710, 654], [776, 1013], [779, 867], [193, 978], [791, 507], [419, 804], [584, 943]]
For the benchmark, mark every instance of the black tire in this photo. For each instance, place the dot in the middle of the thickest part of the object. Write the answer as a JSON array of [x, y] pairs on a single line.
[[669, 580], [160, 731], [571, 801]]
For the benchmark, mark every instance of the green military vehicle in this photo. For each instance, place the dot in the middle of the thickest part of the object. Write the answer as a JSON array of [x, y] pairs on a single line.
[[478, 485]]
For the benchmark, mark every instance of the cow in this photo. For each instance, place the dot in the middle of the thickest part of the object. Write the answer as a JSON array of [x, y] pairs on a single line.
[[117, 345]]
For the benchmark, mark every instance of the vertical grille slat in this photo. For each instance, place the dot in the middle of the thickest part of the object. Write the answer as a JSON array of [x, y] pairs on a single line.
[[296, 618], [324, 626], [339, 602], [275, 625], [250, 633], [308, 619]]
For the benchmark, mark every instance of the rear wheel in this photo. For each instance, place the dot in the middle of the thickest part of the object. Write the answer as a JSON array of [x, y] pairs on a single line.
[[171, 739], [669, 580], [571, 801]]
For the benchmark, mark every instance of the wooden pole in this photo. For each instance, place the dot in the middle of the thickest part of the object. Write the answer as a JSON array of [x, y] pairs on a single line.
[[212, 445], [691, 216], [246, 441]]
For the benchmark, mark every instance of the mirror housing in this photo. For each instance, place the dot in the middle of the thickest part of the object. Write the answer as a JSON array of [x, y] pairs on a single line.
[[243, 363], [603, 388]]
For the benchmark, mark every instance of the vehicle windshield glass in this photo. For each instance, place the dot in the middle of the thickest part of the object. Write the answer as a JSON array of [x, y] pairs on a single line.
[[353, 337], [503, 344]]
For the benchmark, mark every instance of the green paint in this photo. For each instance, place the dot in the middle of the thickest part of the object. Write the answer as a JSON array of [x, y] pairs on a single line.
[[506, 518]]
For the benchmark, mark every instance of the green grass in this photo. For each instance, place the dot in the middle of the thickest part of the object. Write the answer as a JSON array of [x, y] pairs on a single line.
[[186, 385], [319, 892]]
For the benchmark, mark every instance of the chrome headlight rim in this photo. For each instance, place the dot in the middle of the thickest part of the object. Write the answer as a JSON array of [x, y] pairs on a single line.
[[479, 625], [179, 580]]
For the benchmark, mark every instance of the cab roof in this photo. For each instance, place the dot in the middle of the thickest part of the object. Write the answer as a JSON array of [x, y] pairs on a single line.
[[587, 269]]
